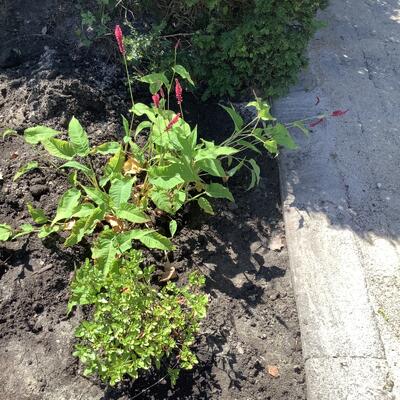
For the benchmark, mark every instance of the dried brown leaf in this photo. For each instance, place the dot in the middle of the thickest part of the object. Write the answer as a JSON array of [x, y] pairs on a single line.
[[132, 166]]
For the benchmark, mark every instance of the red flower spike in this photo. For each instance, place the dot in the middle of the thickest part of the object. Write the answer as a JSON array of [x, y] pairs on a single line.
[[178, 91], [339, 113], [156, 100], [119, 37], [317, 122], [173, 121], [177, 44]]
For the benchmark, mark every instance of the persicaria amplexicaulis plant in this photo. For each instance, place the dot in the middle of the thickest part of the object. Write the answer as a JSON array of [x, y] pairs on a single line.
[[160, 165]]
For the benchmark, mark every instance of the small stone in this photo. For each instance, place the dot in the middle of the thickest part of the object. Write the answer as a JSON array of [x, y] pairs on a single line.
[[38, 190], [274, 296]]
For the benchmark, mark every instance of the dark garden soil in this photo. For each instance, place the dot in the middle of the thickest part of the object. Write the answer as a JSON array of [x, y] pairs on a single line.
[[249, 345]]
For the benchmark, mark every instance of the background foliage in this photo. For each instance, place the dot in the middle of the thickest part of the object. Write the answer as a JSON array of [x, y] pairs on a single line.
[[230, 46]]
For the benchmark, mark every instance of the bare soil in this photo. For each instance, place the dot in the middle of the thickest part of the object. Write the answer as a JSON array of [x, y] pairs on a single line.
[[251, 332]]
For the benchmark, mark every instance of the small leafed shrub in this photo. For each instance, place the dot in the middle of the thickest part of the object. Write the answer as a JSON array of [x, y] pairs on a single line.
[[232, 46], [135, 325]]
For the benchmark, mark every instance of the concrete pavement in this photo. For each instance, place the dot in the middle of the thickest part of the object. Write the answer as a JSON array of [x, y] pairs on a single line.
[[341, 194]]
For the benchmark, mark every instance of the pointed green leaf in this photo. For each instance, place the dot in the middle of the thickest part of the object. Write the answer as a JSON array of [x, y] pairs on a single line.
[[256, 170], [59, 148], [155, 240], [37, 215], [104, 251], [218, 191], [78, 137], [300, 125], [271, 146], [121, 190], [38, 134], [236, 117], [67, 205], [168, 201], [80, 167], [249, 146], [180, 70], [99, 197], [84, 226], [212, 167], [205, 205], [173, 226], [108, 148], [114, 166], [131, 213], [23, 170], [47, 230], [282, 136]]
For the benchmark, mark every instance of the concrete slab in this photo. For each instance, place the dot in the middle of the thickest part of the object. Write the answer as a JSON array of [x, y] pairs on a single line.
[[341, 199]]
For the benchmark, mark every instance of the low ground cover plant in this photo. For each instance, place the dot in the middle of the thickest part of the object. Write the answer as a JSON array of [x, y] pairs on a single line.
[[119, 194]]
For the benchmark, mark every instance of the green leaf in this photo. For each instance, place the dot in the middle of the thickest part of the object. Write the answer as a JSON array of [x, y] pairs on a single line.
[[114, 166], [168, 201], [205, 205], [141, 126], [78, 137], [218, 191], [282, 136], [37, 215], [39, 134], [99, 197], [300, 125], [166, 183], [108, 148], [84, 210], [24, 229], [84, 226], [212, 167], [121, 190], [154, 240], [263, 109], [131, 213], [67, 205], [141, 109], [80, 167], [249, 146], [256, 171], [236, 168], [125, 124], [180, 70], [5, 232], [173, 226], [271, 146], [104, 251], [211, 151], [47, 230], [23, 170], [236, 117], [155, 80], [59, 148]]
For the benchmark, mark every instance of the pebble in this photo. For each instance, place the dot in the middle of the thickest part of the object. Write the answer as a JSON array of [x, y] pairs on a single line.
[[38, 190]]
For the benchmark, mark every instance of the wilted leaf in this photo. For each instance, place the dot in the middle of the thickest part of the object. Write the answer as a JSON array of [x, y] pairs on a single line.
[[132, 166], [116, 224], [169, 272]]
